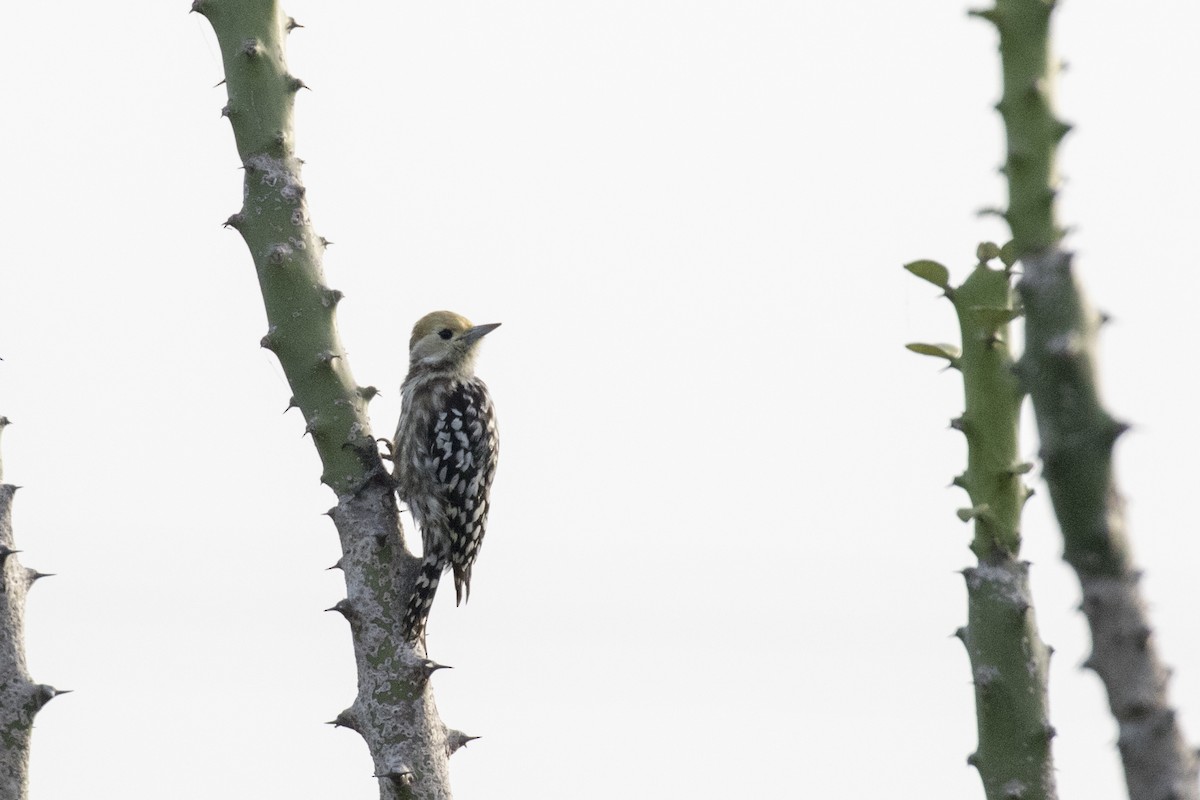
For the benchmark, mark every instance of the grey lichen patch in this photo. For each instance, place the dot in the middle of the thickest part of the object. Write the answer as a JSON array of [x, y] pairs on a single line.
[[1006, 581], [986, 675], [279, 252], [277, 173], [252, 48], [1014, 789]]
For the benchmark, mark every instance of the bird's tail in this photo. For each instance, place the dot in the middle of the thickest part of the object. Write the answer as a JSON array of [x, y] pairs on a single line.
[[416, 613]]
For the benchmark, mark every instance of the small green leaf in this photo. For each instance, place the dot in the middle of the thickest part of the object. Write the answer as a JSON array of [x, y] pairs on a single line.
[[987, 251], [968, 514], [931, 271], [1008, 254], [946, 351]]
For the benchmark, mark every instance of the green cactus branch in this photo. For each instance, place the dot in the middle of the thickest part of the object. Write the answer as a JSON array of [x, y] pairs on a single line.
[[1077, 434], [1032, 131], [394, 709], [1077, 438], [1009, 661], [20, 697], [286, 250]]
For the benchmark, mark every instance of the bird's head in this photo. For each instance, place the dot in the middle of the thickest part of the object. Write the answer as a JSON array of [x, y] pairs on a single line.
[[443, 338]]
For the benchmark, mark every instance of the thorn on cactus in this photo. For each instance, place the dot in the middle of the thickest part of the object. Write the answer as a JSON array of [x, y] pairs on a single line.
[[331, 297], [345, 608], [292, 24], [252, 48], [312, 425], [401, 775], [456, 739], [992, 15], [45, 693], [278, 252], [346, 719]]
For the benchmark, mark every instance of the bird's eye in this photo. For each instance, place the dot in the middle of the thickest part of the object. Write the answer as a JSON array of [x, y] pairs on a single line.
[[445, 333]]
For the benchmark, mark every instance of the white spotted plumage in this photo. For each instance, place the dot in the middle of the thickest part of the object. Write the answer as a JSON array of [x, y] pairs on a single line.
[[444, 452]]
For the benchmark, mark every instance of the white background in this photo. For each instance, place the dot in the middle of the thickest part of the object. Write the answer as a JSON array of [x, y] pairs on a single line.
[[722, 559]]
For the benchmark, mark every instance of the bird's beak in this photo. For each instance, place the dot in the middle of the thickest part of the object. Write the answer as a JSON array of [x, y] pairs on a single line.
[[478, 332]]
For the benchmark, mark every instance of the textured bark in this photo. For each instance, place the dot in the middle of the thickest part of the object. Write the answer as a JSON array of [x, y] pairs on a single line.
[[394, 710], [1077, 437], [1009, 668], [20, 697]]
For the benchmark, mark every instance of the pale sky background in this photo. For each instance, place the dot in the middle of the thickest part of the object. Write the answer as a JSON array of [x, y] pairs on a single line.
[[722, 558]]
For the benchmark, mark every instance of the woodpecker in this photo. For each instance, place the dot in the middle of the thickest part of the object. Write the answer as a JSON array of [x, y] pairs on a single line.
[[444, 455]]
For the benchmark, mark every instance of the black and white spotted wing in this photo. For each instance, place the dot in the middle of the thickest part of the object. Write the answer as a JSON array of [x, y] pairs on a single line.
[[464, 446]]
